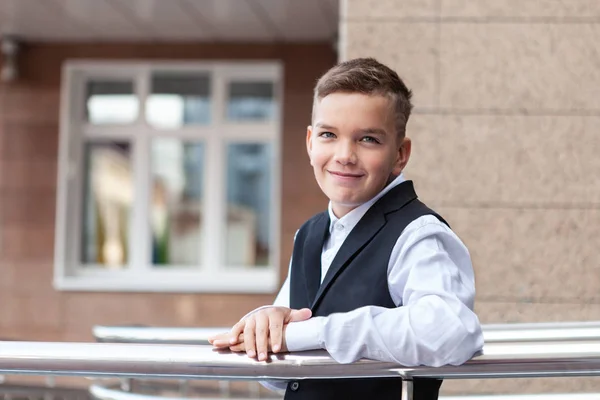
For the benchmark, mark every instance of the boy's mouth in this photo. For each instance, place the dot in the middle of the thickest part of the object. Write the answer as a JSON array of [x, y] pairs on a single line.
[[345, 174]]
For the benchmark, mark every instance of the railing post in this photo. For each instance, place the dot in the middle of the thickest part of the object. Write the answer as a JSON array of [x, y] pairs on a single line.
[[407, 389]]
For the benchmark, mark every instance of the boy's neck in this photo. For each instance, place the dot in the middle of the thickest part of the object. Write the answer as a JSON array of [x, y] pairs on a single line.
[[340, 211]]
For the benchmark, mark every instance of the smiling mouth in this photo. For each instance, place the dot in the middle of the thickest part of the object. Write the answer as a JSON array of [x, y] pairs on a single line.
[[345, 175]]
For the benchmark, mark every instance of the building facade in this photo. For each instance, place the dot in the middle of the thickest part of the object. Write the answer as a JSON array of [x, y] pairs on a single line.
[[504, 136]]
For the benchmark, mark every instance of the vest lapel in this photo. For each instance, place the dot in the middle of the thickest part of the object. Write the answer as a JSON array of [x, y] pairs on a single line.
[[312, 249], [363, 232]]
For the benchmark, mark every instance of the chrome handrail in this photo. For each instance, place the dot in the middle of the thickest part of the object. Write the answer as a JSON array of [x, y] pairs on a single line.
[[539, 332], [122, 334], [493, 333], [498, 360]]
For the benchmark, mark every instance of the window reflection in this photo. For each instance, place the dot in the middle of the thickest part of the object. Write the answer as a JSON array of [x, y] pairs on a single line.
[[175, 212], [107, 204], [178, 99], [111, 102], [248, 204], [250, 101]]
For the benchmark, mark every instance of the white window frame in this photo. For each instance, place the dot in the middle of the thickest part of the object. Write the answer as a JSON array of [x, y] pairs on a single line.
[[139, 275]]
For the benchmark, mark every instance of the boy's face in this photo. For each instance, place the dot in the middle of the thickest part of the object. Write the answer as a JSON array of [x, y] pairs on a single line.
[[354, 148]]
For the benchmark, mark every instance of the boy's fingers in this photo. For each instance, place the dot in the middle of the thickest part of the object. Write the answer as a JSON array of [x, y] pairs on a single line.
[[262, 336], [236, 331], [283, 343], [275, 330], [214, 337], [249, 337], [299, 315], [221, 344], [220, 340], [238, 348]]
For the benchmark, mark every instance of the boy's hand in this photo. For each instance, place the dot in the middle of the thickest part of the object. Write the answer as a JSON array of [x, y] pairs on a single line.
[[260, 332], [241, 346]]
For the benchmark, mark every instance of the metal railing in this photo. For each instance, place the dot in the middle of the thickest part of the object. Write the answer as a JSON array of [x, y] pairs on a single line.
[[498, 360], [123, 334], [29, 392], [160, 390], [515, 351], [541, 332], [493, 333]]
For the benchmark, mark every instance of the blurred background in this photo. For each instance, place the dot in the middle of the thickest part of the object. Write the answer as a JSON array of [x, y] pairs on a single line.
[[153, 167]]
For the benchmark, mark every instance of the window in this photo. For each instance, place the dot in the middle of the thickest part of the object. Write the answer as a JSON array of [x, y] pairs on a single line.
[[168, 177]]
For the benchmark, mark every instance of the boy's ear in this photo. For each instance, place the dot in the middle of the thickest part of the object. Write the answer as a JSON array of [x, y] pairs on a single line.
[[309, 142], [403, 156]]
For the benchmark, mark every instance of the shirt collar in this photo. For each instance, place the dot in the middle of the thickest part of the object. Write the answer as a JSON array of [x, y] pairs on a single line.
[[350, 220]]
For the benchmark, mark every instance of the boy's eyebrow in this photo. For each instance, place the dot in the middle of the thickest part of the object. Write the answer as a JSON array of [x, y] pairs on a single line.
[[367, 131], [373, 131], [323, 126]]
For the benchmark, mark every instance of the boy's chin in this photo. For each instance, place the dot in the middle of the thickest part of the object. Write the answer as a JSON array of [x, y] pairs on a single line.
[[347, 202], [347, 198]]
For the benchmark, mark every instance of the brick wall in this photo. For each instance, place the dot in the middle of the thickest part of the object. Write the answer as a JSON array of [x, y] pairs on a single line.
[[30, 308]]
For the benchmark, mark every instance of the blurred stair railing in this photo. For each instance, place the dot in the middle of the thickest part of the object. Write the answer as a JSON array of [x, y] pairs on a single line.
[[103, 393], [498, 360]]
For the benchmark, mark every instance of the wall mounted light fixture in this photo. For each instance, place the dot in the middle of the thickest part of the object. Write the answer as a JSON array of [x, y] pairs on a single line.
[[9, 48]]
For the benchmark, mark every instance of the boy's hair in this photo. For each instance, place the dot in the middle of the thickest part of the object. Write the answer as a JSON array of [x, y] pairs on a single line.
[[367, 76]]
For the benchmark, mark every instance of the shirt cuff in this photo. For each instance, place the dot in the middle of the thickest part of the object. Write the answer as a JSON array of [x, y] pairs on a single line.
[[305, 335]]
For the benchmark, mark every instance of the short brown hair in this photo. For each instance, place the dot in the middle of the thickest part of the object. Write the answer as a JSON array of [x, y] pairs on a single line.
[[367, 76]]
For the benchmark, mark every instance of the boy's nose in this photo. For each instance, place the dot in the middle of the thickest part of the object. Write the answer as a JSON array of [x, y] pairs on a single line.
[[345, 154]]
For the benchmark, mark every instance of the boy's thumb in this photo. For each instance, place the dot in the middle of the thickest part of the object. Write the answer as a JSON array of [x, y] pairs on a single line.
[[300, 315]]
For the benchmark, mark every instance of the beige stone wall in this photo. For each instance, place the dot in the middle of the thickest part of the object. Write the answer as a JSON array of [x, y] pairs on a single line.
[[506, 136]]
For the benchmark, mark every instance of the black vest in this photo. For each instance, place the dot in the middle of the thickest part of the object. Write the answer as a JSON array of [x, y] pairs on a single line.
[[356, 278]]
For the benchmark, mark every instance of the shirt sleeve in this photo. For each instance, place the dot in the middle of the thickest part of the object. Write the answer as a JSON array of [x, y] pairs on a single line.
[[431, 280]]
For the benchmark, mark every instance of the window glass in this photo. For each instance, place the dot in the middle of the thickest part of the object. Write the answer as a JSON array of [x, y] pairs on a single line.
[[176, 204], [111, 102], [248, 227], [250, 101], [178, 99], [107, 202]]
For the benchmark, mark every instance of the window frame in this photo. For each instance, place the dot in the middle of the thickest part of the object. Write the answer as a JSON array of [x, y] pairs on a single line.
[[139, 274]]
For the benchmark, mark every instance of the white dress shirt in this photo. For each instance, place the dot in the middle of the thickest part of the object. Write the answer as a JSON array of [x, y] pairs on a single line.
[[431, 281]]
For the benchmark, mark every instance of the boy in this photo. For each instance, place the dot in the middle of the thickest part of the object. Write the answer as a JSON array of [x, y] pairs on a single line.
[[379, 275]]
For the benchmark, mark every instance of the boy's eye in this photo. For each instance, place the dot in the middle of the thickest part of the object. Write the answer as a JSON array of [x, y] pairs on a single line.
[[370, 139], [326, 135]]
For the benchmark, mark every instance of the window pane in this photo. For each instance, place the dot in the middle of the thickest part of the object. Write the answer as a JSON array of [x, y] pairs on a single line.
[[111, 102], [248, 204], [175, 212], [250, 101], [179, 99], [108, 197]]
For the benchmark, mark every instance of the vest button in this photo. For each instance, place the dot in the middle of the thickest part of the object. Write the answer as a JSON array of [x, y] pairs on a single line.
[[294, 386]]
